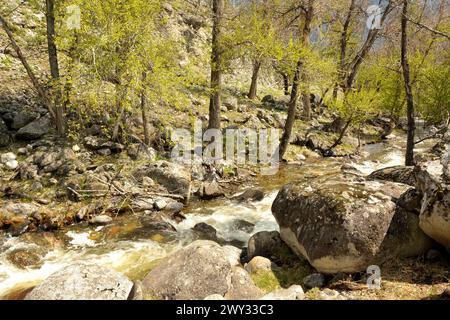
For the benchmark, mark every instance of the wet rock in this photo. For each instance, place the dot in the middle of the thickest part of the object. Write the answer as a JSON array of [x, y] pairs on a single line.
[[174, 177], [243, 225], [266, 244], [180, 276], [35, 129], [348, 168], [400, 174], [251, 195], [44, 240], [259, 263], [294, 292], [205, 231], [18, 228], [157, 225], [25, 258], [83, 282], [315, 280], [20, 209], [174, 207], [340, 225], [210, 190], [242, 286], [101, 220]]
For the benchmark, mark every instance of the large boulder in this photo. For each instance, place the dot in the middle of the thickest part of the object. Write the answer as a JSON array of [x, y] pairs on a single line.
[[174, 177], [400, 174], [35, 129], [83, 282], [193, 273], [200, 270], [343, 225], [435, 209]]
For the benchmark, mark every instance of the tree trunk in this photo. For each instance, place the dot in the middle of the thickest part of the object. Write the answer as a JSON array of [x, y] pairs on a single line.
[[115, 135], [409, 158], [252, 94], [342, 134], [365, 49], [286, 137], [285, 83], [343, 46], [306, 96], [54, 66], [216, 66], [34, 81], [144, 110]]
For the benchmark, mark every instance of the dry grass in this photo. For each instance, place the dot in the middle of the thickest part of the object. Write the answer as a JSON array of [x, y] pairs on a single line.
[[406, 279]]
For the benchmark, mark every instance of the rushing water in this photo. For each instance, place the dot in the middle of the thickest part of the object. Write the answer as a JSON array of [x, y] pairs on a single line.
[[118, 247]]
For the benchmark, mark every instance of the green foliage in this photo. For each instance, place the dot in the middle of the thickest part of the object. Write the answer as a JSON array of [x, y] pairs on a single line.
[[359, 105], [119, 41], [254, 34], [433, 91]]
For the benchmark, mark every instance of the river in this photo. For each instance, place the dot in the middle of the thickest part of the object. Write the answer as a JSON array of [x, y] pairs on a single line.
[[118, 247]]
